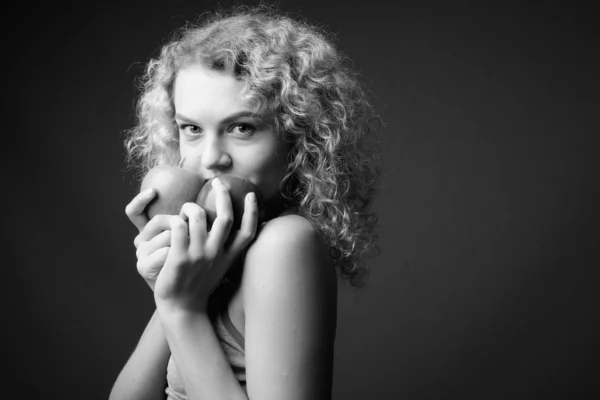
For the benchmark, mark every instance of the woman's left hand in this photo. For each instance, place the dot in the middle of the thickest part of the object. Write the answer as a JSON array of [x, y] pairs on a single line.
[[197, 259]]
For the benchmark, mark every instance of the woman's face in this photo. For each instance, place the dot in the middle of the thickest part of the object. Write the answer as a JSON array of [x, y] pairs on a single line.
[[218, 135]]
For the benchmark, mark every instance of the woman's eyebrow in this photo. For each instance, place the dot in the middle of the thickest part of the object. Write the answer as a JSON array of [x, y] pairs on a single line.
[[185, 119], [237, 115], [225, 120]]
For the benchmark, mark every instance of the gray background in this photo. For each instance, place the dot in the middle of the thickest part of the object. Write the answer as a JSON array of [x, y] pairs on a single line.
[[485, 287]]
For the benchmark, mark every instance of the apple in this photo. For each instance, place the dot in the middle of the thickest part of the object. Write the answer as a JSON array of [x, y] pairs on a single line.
[[238, 188], [190, 163], [174, 185]]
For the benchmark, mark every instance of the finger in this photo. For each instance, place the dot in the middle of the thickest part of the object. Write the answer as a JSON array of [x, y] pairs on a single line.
[[163, 239], [135, 209], [156, 225], [179, 236], [222, 223], [248, 227], [196, 217], [149, 267]]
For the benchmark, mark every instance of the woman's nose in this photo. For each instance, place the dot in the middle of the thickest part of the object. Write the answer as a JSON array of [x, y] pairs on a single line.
[[214, 154]]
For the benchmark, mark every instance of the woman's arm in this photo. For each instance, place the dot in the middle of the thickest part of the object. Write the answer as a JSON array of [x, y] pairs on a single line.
[[195, 266], [289, 294], [200, 360], [143, 377], [290, 299], [144, 374]]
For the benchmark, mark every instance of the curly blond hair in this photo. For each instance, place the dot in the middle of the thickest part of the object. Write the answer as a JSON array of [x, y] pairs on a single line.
[[300, 84]]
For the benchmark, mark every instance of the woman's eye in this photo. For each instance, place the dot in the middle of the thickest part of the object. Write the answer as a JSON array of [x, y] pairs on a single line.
[[190, 128], [243, 129]]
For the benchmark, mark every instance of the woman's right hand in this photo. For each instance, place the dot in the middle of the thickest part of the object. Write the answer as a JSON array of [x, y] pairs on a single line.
[[153, 241]]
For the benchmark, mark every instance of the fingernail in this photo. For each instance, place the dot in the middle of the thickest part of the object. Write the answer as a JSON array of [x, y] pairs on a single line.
[[217, 183], [147, 191], [252, 197]]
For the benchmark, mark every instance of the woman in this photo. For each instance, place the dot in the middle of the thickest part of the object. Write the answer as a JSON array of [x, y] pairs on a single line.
[[263, 97]]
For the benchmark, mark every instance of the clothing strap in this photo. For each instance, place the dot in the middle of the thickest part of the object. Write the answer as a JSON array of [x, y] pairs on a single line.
[[235, 334]]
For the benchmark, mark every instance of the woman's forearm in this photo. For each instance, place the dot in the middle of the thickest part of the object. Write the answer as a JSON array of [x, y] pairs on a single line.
[[200, 360], [143, 377]]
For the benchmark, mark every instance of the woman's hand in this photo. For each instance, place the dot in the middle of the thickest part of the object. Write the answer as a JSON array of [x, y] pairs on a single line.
[[154, 239], [197, 259]]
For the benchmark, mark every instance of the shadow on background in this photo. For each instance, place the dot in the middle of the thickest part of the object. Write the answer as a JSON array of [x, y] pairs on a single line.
[[485, 287]]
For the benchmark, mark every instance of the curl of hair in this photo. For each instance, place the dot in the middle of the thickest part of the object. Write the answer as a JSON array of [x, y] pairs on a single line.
[[298, 82]]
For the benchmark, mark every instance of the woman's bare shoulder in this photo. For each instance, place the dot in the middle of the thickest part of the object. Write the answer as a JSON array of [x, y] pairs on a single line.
[[291, 234], [287, 227], [288, 247]]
